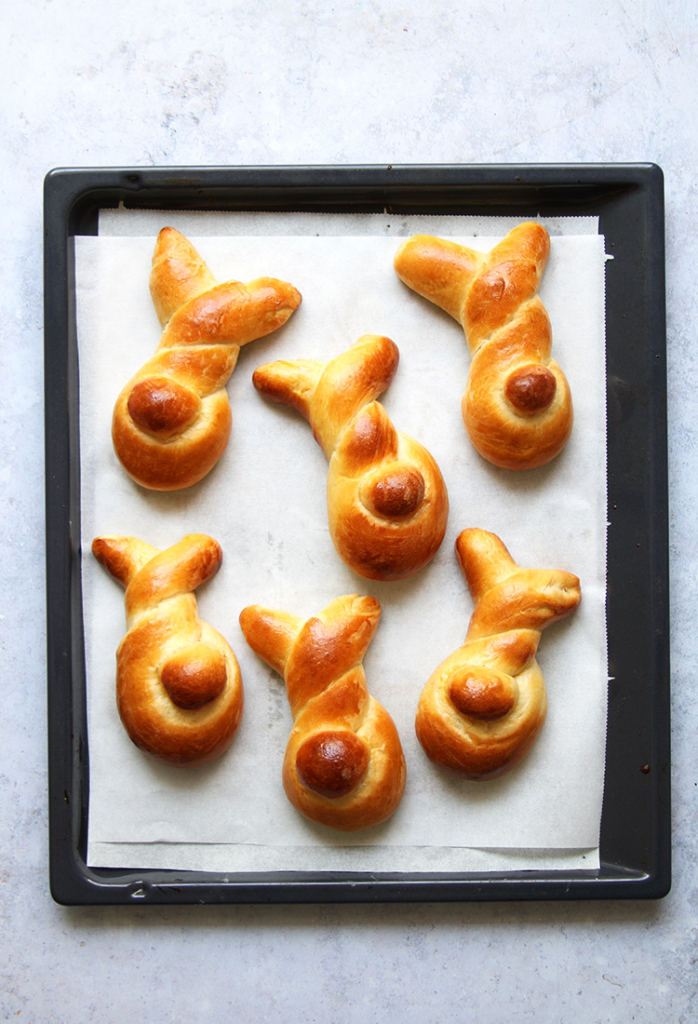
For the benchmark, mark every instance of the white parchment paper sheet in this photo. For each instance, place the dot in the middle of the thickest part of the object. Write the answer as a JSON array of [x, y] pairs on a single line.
[[265, 504]]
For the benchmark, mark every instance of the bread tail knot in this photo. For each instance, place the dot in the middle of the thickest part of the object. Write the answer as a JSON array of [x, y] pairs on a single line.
[[332, 763]]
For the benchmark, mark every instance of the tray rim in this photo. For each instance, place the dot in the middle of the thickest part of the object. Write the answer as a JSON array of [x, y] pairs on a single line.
[[72, 199]]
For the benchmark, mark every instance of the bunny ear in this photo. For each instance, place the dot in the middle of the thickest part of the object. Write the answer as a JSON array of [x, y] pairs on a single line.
[[484, 560], [438, 270], [232, 313], [330, 394], [328, 646], [151, 575], [270, 633], [122, 557], [508, 596], [179, 569], [349, 383], [289, 382], [529, 600], [509, 277], [357, 376], [178, 274]]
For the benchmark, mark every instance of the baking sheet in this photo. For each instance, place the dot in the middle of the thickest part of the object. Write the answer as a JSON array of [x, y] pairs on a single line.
[[235, 808]]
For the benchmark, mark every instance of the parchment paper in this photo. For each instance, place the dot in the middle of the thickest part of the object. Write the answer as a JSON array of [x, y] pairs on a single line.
[[265, 504]]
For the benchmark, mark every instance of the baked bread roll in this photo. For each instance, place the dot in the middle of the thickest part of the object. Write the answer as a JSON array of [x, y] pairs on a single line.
[[344, 765], [178, 686], [483, 707], [386, 500], [172, 421], [516, 407]]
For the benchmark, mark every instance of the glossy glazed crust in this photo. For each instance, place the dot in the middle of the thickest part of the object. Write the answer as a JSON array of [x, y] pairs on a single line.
[[386, 499], [483, 707], [344, 766], [172, 420], [517, 406], [178, 684]]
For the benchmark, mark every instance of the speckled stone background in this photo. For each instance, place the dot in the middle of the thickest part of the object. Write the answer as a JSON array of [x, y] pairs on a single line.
[[365, 81]]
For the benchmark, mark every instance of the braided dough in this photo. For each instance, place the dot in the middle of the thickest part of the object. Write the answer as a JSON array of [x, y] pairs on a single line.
[[178, 686], [483, 707], [172, 420], [344, 766], [516, 407], [386, 500]]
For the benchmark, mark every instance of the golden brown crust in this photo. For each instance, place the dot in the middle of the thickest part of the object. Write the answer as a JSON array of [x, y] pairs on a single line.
[[483, 707], [178, 685], [344, 766], [386, 500], [516, 407], [172, 421]]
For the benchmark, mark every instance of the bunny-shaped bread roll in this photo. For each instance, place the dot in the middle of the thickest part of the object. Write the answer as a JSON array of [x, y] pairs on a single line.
[[483, 707], [172, 420], [178, 686], [386, 500], [344, 765], [516, 407]]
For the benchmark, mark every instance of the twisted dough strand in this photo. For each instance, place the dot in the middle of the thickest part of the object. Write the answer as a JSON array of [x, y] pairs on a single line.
[[344, 766], [178, 686], [483, 707], [386, 500], [172, 420], [516, 406]]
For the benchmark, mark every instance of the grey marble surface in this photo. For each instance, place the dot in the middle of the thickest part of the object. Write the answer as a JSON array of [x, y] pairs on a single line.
[[360, 82]]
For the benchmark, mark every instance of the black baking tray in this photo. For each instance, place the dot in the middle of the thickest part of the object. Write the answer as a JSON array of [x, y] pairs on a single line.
[[635, 846]]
